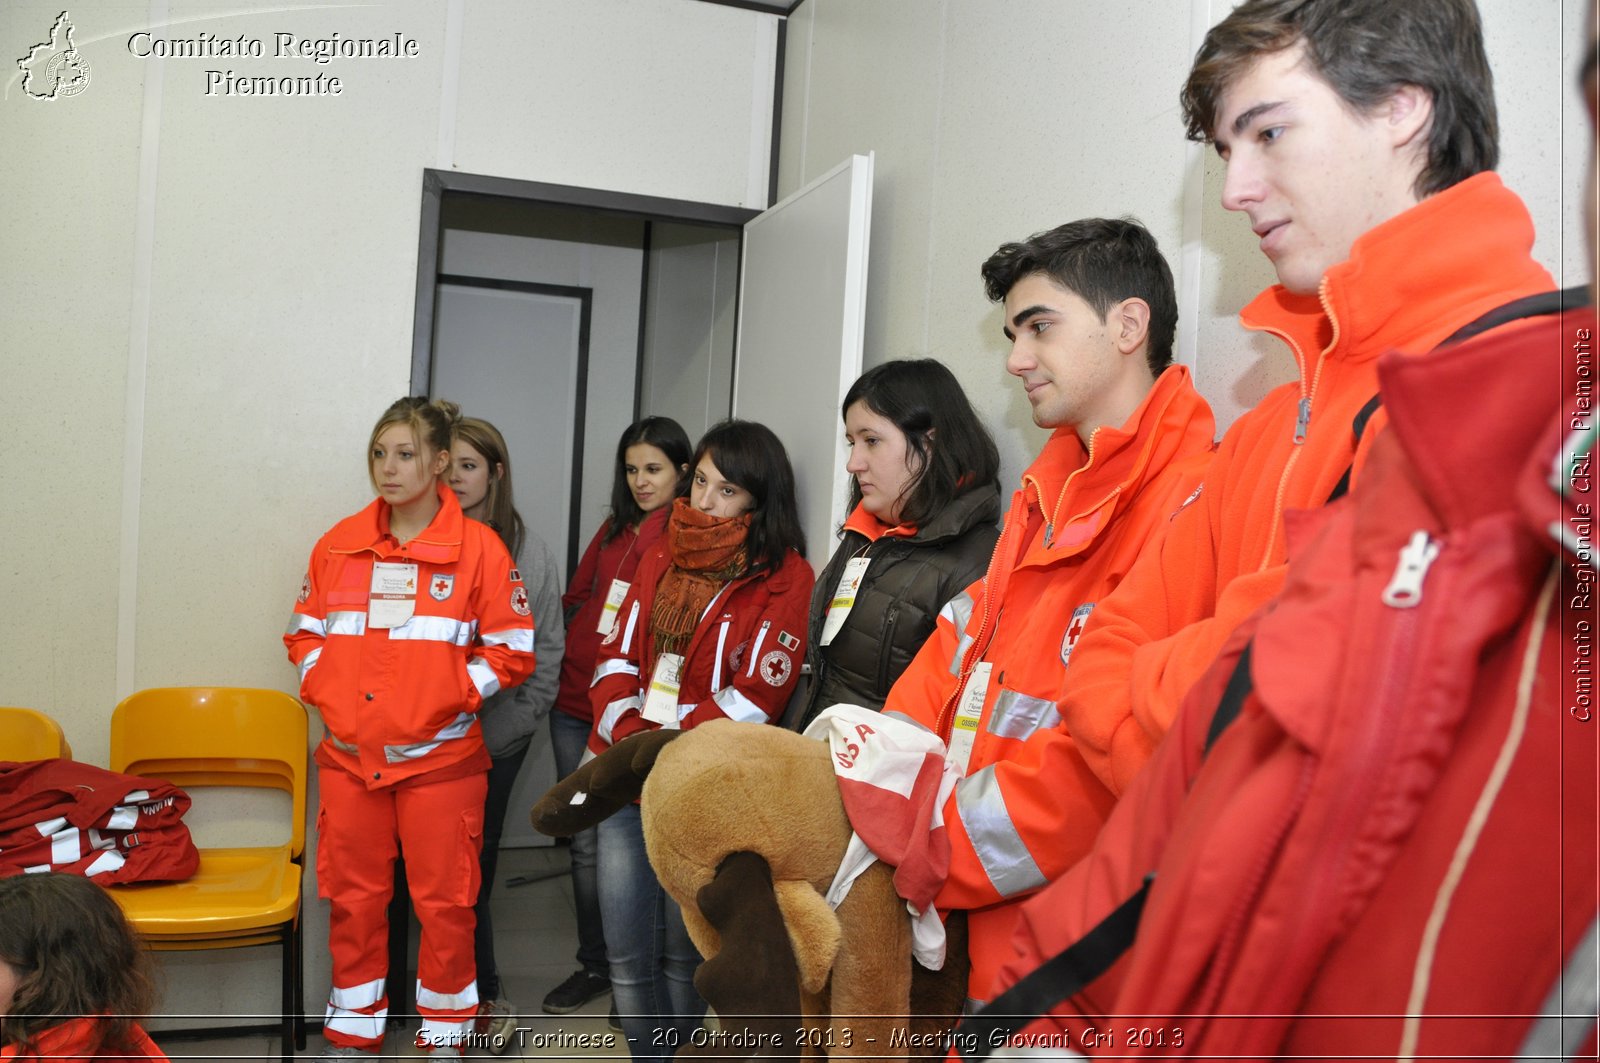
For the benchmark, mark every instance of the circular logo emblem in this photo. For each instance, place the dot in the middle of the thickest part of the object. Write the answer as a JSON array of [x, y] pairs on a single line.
[[775, 668], [67, 73]]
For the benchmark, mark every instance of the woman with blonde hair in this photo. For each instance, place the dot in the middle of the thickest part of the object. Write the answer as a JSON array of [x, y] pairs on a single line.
[[410, 616]]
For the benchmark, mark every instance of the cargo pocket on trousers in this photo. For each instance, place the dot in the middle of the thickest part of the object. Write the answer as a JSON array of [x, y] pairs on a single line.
[[471, 835], [322, 855]]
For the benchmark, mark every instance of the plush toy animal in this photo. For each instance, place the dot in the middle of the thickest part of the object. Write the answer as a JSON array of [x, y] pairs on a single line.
[[745, 828]]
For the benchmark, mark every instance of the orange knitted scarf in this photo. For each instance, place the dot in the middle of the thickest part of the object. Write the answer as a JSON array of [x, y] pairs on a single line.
[[706, 552]]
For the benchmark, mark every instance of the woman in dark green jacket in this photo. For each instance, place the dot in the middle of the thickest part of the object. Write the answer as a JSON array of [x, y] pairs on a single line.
[[924, 499]]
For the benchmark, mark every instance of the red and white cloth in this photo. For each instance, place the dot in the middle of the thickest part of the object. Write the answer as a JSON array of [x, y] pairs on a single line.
[[64, 816], [894, 781]]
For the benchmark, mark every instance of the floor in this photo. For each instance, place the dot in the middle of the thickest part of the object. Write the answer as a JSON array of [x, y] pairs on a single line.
[[535, 940]]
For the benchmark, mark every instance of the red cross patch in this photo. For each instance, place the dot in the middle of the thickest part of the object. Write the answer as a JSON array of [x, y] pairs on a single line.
[[1080, 620]]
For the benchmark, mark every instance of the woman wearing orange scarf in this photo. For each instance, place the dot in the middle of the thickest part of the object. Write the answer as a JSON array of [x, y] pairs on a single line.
[[713, 627]]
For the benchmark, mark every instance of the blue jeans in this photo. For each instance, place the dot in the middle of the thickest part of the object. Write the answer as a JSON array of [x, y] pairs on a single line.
[[652, 960], [568, 738]]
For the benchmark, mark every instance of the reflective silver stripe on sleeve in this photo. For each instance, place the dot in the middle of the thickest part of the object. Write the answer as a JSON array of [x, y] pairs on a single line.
[[1005, 859], [612, 713], [958, 611], [614, 667], [435, 629], [307, 661], [738, 707], [520, 639], [1019, 715], [456, 728], [301, 622], [483, 677], [627, 632], [347, 623], [716, 666]]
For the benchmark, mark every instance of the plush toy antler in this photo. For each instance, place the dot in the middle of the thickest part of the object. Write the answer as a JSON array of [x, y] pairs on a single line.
[[745, 828]]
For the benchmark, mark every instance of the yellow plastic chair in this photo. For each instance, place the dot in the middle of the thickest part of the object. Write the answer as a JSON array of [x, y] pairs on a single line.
[[26, 734], [223, 736]]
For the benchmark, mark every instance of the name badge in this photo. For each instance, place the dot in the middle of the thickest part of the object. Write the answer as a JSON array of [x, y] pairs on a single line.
[[844, 597], [393, 595], [661, 700], [608, 612], [969, 711]]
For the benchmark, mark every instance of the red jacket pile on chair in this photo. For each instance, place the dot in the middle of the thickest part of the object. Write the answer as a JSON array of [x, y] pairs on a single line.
[[60, 815], [1391, 851]]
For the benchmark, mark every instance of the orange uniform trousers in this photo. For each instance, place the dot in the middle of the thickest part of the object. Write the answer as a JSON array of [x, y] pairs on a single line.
[[439, 825]]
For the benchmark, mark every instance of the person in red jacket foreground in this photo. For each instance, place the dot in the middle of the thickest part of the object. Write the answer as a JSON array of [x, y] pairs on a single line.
[[410, 615], [1090, 314], [73, 975], [1359, 140], [1372, 829], [713, 627], [651, 470]]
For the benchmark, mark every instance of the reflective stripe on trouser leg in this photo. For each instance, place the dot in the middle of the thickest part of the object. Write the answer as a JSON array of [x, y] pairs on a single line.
[[441, 830], [355, 872]]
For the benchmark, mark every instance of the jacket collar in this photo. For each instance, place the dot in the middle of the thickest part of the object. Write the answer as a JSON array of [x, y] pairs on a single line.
[[1078, 490], [979, 505], [438, 543], [1469, 452], [1412, 280]]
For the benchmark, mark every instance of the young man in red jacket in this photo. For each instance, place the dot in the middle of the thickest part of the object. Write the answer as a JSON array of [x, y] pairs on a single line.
[[1372, 829], [1090, 314], [1359, 138]]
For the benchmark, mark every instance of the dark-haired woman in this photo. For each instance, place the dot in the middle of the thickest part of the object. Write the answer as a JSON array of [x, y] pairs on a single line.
[[713, 628], [652, 467], [74, 977], [924, 496]]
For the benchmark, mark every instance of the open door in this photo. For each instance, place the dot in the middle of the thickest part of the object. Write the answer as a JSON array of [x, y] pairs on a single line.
[[802, 307]]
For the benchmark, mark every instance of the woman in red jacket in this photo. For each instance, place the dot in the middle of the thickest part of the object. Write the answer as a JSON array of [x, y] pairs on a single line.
[[73, 975], [713, 628], [652, 468], [410, 615]]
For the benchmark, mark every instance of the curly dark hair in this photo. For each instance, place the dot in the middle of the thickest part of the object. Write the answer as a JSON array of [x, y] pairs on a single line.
[[73, 954]]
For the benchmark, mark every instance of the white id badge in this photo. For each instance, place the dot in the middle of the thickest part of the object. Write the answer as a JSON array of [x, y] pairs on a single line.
[[844, 597], [661, 700], [608, 612], [969, 710], [393, 596]]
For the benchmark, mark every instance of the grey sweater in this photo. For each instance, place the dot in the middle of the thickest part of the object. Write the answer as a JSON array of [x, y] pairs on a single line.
[[510, 717]]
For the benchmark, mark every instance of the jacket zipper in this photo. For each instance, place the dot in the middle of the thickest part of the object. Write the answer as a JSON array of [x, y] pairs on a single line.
[[1390, 686], [885, 646], [1302, 423]]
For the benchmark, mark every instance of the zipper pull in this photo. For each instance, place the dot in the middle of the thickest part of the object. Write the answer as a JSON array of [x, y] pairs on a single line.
[[1302, 423], [1405, 586], [1049, 533]]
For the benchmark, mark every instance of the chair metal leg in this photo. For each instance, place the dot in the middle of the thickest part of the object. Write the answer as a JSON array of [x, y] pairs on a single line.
[[288, 1007], [299, 980]]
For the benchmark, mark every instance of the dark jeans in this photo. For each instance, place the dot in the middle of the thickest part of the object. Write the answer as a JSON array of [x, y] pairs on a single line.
[[568, 738]]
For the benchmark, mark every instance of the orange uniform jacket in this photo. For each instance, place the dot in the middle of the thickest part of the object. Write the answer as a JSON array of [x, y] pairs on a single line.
[[79, 1039], [1409, 284], [400, 702], [1073, 529]]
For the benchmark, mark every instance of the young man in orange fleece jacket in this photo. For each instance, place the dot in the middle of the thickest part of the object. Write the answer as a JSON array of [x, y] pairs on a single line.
[[1359, 139], [1090, 313]]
